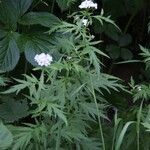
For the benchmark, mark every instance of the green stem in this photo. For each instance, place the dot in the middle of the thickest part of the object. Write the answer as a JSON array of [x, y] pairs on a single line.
[[99, 120], [129, 22], [138, 125], [35, 5], [52, 8], [58, 139]]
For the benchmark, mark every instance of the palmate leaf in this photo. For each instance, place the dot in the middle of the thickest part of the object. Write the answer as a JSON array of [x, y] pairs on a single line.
[[57, 112], [146, 55], [90, 109], [24, 135], [76, 129], [6, 137], [93, 144], [9, 52], [144, 93], [103, 81], [106, 19], [11, 110]]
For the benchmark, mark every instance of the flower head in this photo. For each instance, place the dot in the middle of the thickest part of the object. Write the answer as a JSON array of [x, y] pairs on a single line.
[[139, 88], [85, 22], [43, 59], [88, 4]]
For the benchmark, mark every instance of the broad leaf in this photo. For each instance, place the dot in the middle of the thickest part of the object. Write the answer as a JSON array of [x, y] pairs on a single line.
[[125, 40], [11, 110], [9, 53], [126, 54], [114, 51], [2, 33], [42, 18], [12, 10], [22, 5], [6, 137]]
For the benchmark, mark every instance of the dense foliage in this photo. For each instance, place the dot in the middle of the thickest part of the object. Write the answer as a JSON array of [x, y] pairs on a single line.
[[74, 75]]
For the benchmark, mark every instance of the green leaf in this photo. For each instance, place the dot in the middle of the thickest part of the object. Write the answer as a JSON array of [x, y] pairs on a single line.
[[56, 109], [122, 134], [22, 5], [105, 19], [91, 144], [32, 48], [124, 40], [12, 10], [114, 51], [42, 18], [9, 53], [126, 54], [146, 55], [111, 31], [3, 81], [33, 44], [2, 33], [6, 137], [64, 4], [11, 110]]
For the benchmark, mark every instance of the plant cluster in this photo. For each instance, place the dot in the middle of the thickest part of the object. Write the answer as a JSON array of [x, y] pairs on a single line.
[[64, 99]]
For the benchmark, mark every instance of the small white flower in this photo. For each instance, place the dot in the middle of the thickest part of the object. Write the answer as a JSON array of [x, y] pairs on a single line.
[[77, 17], [43, 59], [85, 22], [102, 12], [139, 88], [88, 4], [69, 57], [92, 36]]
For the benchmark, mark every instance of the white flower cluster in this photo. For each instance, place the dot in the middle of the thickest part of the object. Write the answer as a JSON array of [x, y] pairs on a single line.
[[85, 22], [88, 4], [43, 59]]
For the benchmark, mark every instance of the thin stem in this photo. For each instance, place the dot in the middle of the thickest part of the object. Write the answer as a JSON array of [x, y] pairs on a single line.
[[129, 22], [35, 5], [52, 8], [138, 126], [58, 138], [113, 142], [99, 120]]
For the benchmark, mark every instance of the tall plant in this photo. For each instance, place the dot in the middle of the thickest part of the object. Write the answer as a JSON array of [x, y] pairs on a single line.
[[66, 103]]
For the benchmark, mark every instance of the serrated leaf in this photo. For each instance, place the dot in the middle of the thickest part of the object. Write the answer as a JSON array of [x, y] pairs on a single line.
[[11, 110]]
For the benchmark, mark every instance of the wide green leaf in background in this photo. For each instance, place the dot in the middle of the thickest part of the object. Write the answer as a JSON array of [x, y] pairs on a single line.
[[12, 10], [9, 52], [6, 137], [11, 110], [42, 18]]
